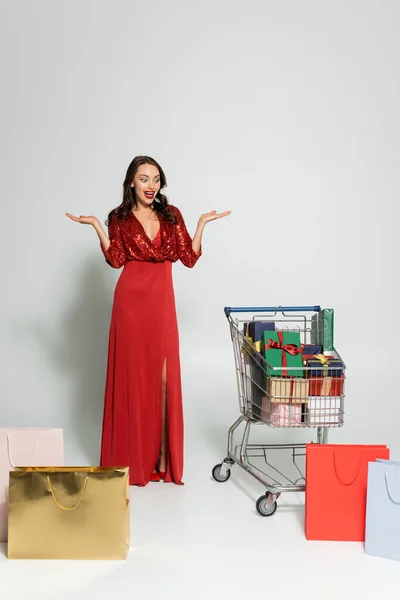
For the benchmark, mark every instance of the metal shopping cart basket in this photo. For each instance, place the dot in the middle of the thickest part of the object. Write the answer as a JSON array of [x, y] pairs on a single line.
[[280, 397]]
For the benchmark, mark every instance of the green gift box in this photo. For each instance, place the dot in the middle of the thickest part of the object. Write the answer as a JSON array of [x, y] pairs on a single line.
[[282, 349], [322, 328], [314, 330]]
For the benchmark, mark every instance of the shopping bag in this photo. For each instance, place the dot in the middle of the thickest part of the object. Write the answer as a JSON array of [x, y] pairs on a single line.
[[69, 513], [336, 490], [25, 446], [382, 531]]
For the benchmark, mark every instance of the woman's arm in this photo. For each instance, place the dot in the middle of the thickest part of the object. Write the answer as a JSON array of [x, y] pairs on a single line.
[[204, 219], [189, 250], [198, 237], [112, 245], [103, 237]]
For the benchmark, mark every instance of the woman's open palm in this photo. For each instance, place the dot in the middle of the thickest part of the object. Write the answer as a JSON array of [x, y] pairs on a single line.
[[90, 220], [213, 215]]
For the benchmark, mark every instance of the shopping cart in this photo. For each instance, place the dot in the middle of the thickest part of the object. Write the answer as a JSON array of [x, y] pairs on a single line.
[[270, 396]]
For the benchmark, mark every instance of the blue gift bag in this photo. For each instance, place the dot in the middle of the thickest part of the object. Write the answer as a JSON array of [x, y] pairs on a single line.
[[382, 533]]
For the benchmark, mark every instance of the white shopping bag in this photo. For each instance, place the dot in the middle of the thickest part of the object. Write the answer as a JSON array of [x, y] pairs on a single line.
[[382, 532], [28, 447]]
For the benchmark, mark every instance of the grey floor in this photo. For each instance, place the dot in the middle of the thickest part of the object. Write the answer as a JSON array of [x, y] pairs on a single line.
[[206, 539]]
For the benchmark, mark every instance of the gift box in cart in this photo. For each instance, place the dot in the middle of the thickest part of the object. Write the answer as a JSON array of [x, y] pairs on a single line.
[[290, 380]]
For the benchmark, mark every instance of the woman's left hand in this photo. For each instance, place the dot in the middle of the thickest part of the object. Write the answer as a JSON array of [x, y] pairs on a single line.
[[212, 216]]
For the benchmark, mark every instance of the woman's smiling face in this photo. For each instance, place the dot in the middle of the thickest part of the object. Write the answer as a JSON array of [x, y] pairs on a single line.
[[146, 184]]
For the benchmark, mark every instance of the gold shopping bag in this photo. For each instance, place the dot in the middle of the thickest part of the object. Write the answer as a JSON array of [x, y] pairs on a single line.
[[69, 513]]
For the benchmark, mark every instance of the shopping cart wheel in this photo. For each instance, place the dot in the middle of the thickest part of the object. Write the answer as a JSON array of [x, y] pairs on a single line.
[[263, 508], [218, 476]]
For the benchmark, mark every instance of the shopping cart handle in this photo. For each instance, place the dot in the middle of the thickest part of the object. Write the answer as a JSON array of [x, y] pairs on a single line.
[[250, 309]]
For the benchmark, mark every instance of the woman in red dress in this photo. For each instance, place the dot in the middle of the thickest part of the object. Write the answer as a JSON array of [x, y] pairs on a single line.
[[143, 417]]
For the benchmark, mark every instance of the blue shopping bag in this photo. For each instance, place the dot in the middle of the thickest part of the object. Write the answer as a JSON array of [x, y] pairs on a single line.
[[382, 533]]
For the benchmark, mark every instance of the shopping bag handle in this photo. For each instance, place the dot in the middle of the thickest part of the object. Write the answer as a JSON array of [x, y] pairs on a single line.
[[393, 499], [347, 483], [59, 503], [9, 452], [257, 309]]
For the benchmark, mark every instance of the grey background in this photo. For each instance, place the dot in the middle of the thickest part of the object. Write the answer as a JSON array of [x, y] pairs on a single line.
[[284, 112]]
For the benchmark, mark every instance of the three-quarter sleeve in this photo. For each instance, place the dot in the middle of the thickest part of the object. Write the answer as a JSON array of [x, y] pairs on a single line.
[[184, 243], [115, 255]]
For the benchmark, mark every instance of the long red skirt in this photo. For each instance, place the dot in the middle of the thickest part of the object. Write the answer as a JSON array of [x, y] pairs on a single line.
[[143, 337]]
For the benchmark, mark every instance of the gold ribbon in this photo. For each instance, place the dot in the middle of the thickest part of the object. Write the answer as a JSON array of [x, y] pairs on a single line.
[[324, 362], [257, 345]]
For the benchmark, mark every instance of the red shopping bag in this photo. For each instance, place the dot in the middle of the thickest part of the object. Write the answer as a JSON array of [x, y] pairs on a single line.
[[336, 490]]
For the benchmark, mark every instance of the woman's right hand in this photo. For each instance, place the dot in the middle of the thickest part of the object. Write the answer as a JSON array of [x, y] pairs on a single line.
[[91, 220]]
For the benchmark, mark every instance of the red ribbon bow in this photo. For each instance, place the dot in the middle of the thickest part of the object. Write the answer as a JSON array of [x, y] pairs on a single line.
[[289, 348]]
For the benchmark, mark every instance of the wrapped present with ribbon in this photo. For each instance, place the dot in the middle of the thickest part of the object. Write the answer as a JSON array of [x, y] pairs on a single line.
[[324, 411], [322, 330], [282, 352], [326, 386], [326, 375], [253, 331], [315, 337], [311, 349], [322, 366], [281, 415], [285, 390], [69, 513], [255, 374], [256, 329]]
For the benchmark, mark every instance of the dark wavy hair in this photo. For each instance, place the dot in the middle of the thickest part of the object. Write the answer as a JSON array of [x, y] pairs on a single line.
[[129, 202]]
